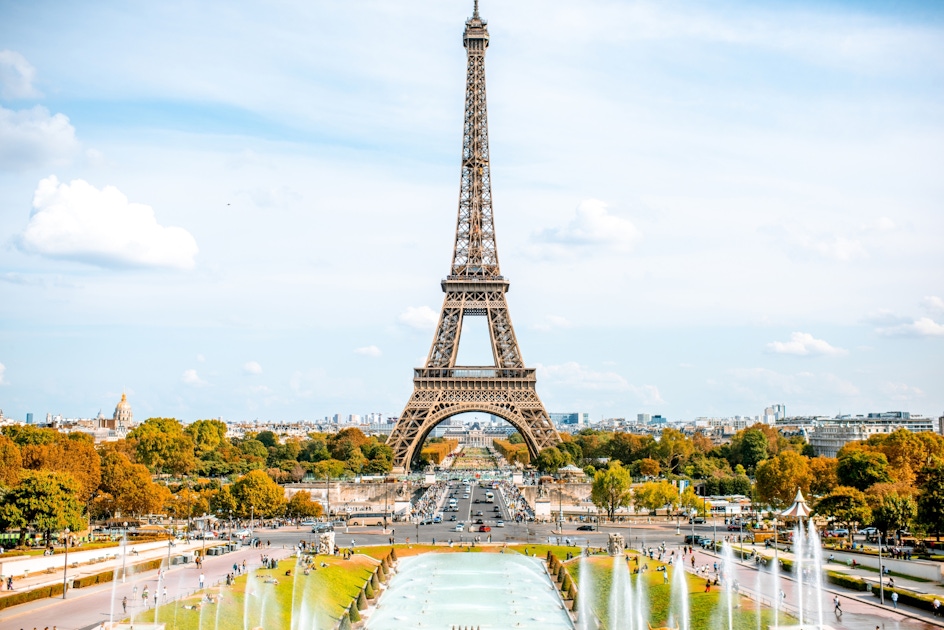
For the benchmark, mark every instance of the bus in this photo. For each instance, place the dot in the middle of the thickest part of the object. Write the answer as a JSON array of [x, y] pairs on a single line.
[[369, 518]]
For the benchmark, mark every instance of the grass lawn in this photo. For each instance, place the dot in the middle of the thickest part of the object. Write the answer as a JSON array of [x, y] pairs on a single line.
[[703, 607], [316, 600]]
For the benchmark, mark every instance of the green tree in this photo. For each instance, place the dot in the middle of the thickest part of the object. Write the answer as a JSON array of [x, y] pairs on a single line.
[[630, 447], [648, 467], [550, 460], [893, 513], [268, 438], [611, 488], [749, 448], [256, 493], [222, 503], [672, 450], [931, 500], [47, 501], [207, 436], [162, 446], [516, 438], [861, 469], [845, 505]]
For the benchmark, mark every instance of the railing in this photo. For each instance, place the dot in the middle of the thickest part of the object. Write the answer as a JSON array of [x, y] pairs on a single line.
[[476, 372]]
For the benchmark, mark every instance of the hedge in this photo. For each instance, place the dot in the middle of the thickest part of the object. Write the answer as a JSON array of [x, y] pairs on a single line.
[[53, 590], [108, 576], [438, 451], [512, 452]]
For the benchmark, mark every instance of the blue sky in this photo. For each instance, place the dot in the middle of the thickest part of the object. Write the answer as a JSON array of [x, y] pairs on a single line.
[[244, 209]]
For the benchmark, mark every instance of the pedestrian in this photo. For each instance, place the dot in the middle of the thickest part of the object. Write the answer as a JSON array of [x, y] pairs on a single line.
[[707, 585], [836, 606], [124, 605], [164, 595], [201, 580], [665, 577], [895, 599], [936, 605]]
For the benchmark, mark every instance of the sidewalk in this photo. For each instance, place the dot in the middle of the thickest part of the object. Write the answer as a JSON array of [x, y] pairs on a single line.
[[137, 554], [866, 598]]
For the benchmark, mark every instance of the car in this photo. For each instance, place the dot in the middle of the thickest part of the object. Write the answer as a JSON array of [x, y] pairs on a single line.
[[308, 523], [321, 528], [693, 539], [499, 523], [452, 518], [696, 520], [460, 527], [837, 533], [426, 521], [585, 528], [479, 521], [485, 528], [437, 519], [496, 509], [477, 501], [869, 531], [734, 528]]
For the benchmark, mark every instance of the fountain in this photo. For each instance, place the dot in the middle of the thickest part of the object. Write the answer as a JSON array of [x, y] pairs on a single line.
[[679, 615]]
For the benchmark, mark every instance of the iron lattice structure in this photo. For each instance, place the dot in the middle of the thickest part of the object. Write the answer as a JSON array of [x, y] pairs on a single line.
[[474, 287]]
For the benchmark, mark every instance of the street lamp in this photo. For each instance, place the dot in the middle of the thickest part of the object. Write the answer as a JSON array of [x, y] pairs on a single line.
[[204, 528], [252, 516], [65, 565], [124, 551], [560, 510], [881, 571]]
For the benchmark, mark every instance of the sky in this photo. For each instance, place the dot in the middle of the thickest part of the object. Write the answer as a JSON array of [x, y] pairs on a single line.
[[244, 209]]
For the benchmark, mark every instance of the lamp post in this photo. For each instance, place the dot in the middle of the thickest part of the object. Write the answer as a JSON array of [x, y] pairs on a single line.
[[204, 532], [124, 551], [881, 571], [560, 510], [252, 517], [65, 565]]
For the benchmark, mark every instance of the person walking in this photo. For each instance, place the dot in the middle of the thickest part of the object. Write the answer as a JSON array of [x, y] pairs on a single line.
[[708, 585], [936, 605], [124, 605], [201, 580], [837, 608], [895, 599]]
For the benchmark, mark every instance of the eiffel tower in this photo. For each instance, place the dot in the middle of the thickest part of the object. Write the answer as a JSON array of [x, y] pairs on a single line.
[[476, 287]]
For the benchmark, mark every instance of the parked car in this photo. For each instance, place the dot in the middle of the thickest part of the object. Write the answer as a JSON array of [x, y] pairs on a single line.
[[693, 539], [869, 531], [585, 528], [734, 528], [696, 520]]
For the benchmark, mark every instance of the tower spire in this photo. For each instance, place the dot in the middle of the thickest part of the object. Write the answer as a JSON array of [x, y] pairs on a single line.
[[475, 10]]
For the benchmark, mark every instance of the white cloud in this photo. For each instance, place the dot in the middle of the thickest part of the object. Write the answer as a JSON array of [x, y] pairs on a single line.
[[3, 372], [419, 317], [592, 226], [804, 344], [77, 221], [368, 351], [763, 384], [32, 137], [552, 322], [252, 367], [836, 247], [318, 384], [902, 391], [648, 394], [16, 76], [572, 374], [933, 305], [190, 377], [921, 327]]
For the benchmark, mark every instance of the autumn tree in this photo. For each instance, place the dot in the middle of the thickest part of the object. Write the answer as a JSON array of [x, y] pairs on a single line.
[[648, 467], [10, 462], [611, 488], [256, 493], [301, 505], [550, 460], [778, 478], [823, 475], [127, 488], [630, 447], [931, 500], [672, 450], [207, 436], [653, 495]]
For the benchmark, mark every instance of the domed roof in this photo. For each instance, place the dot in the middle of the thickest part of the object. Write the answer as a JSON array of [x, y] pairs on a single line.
[[124, 404]]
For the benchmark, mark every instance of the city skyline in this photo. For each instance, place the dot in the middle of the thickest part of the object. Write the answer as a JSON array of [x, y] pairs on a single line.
[[245, 212]]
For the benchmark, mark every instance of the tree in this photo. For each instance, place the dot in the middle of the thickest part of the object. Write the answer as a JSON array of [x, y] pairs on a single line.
[[256, 493], [630, 447], [749, 448], [893, 513], [207, 436], [162, 446], [861, 469], [846, 505], [649, 467], [653, 495], [301, 505], [45, 500], [75, 455], [268, 438], [823, 475], [10, 462], [672, 450], [778, 478], [611, 488], [127, 487], [550, 460], [516, 438], [222, 502], [931, 500]]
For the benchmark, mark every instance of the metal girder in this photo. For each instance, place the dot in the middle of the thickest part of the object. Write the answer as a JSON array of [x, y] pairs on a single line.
[[474, 287]]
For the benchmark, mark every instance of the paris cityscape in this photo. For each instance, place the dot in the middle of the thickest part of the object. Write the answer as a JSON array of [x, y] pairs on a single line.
[[726, 283]]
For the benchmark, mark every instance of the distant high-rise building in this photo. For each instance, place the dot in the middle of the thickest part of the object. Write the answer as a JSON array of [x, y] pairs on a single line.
[[658, 419], [570, 419], [774, 413], [29, 418], [643, 418]]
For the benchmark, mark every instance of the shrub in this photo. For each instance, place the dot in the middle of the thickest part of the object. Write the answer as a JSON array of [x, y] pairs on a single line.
[[393, 554], [369, 590], [353, 615], [361, 601], [345, 622], [375, 581], [42, 592]]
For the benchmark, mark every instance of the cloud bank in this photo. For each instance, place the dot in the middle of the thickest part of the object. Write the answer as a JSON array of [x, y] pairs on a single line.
[[76, 221], [804, 344]]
